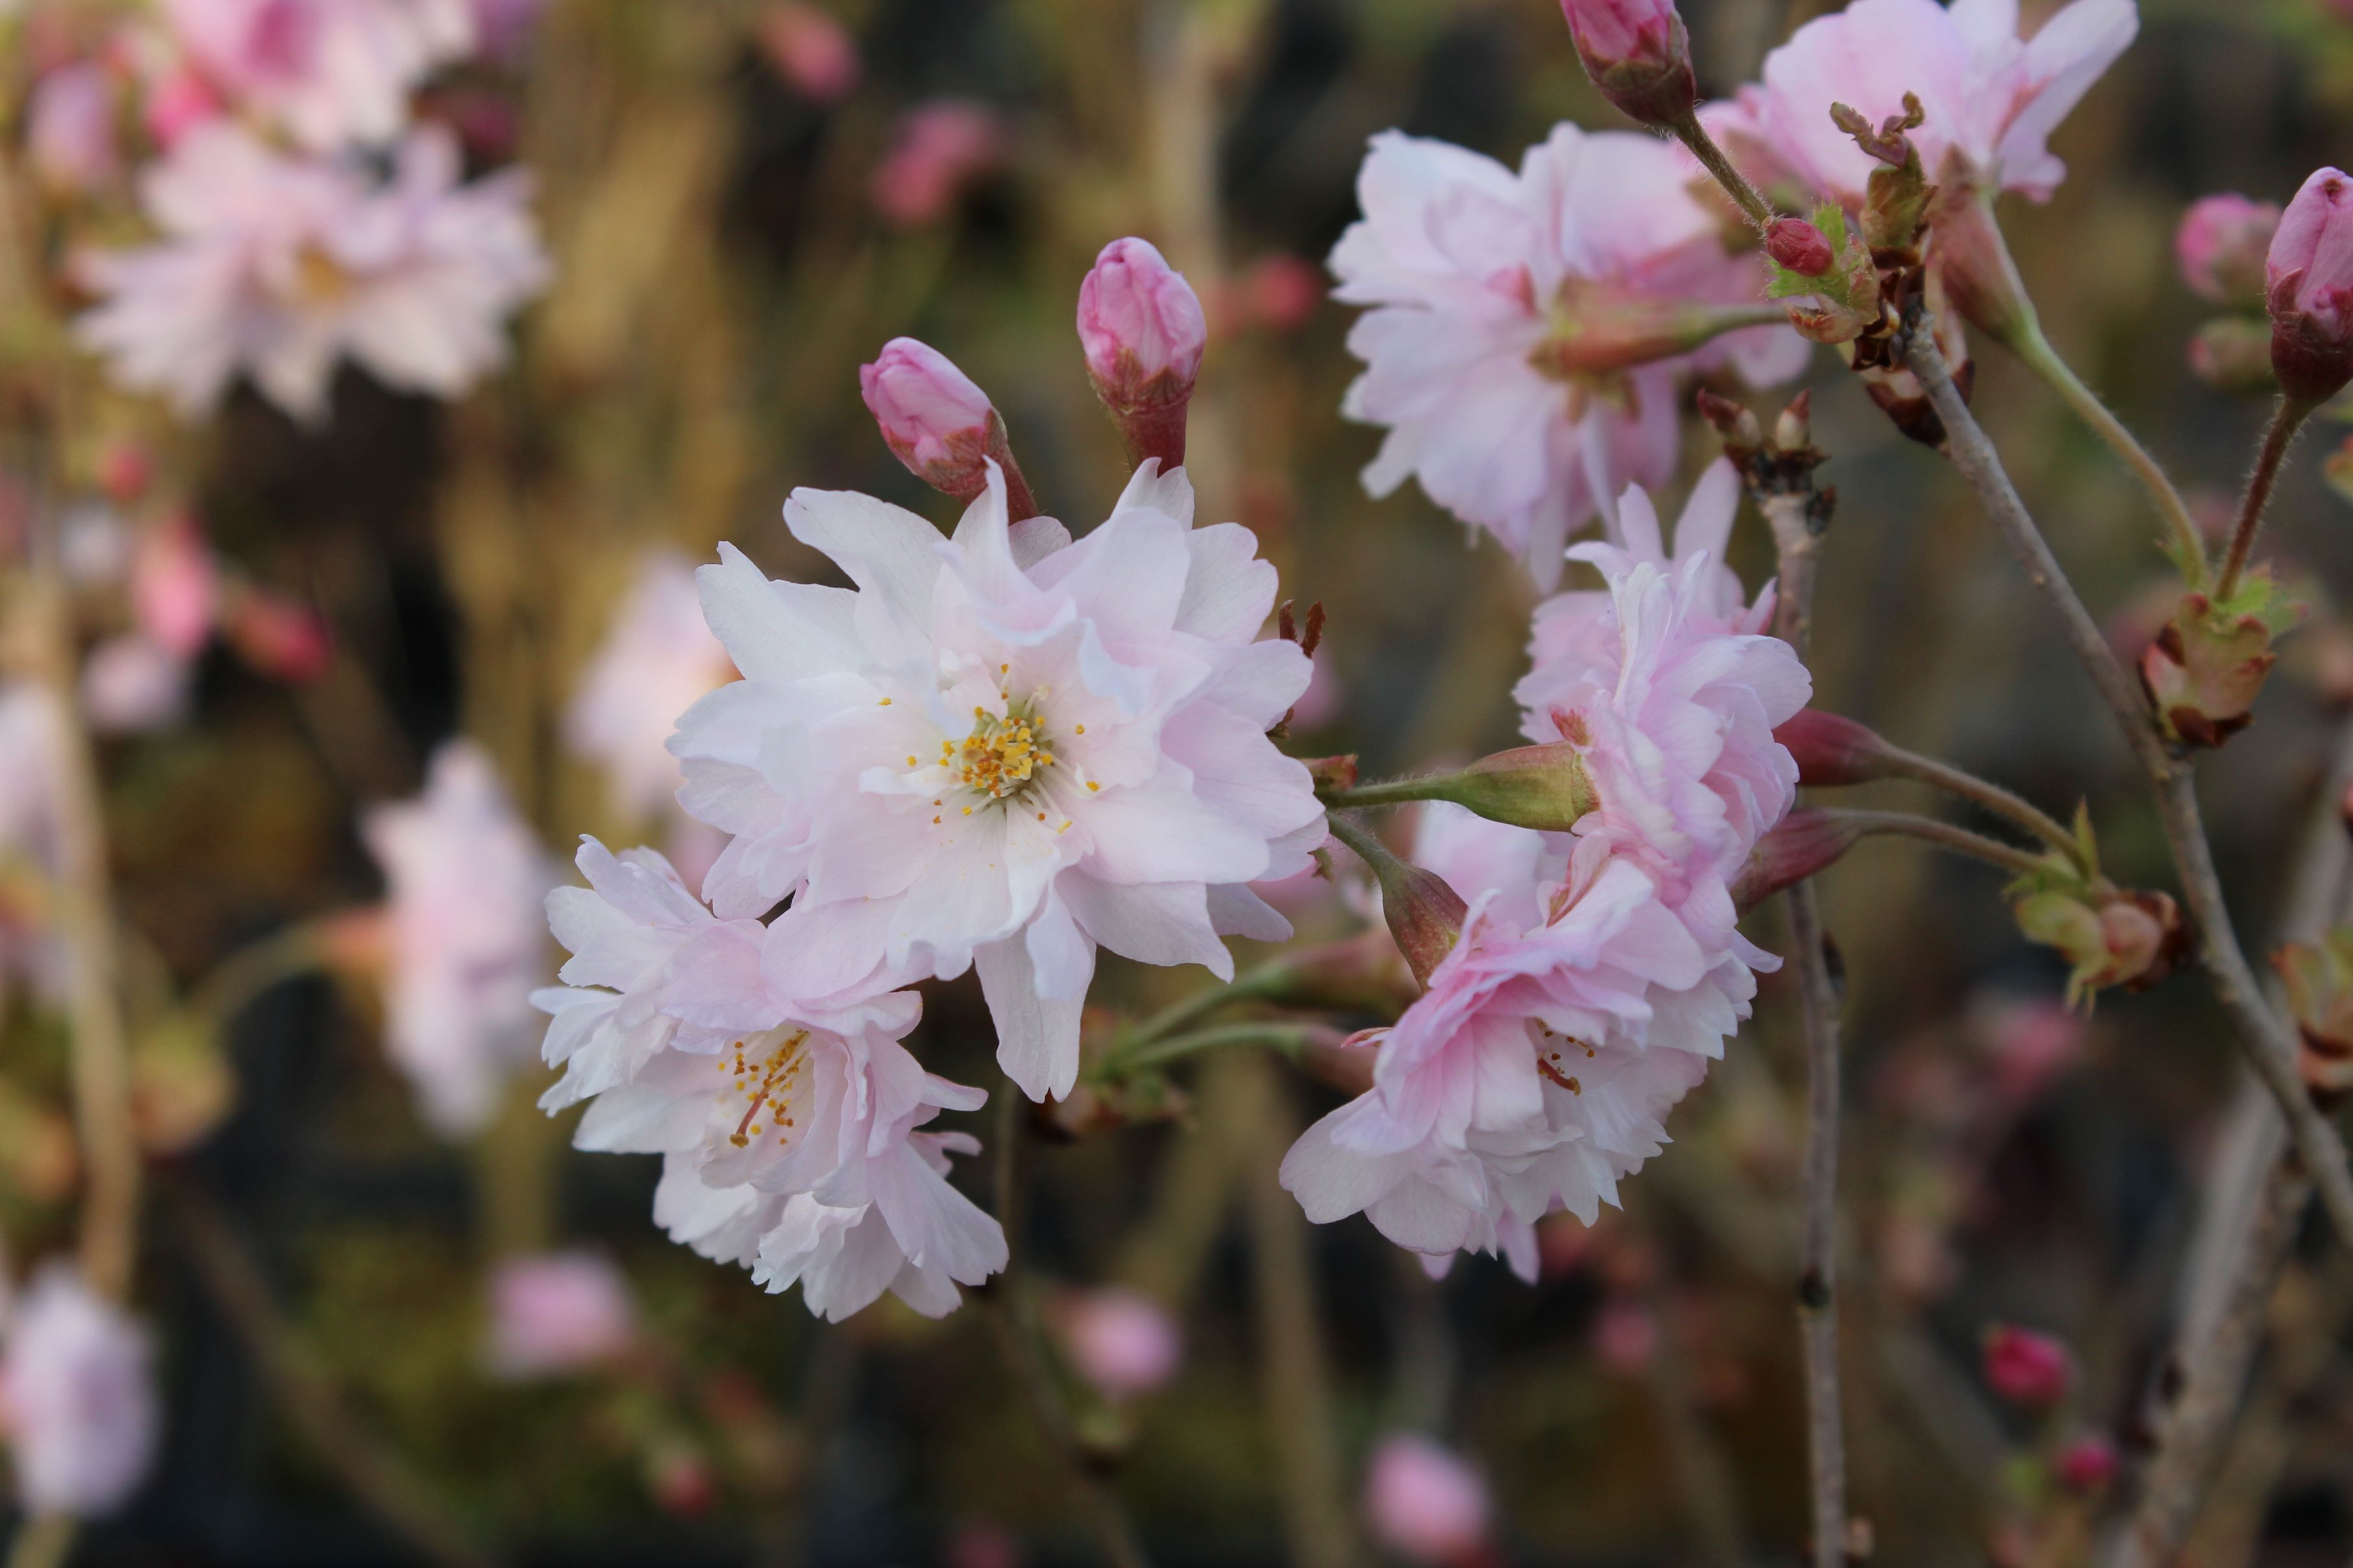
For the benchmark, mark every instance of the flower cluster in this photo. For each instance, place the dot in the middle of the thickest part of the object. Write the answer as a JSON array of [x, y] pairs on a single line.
[[301, 219], [1596, 972]]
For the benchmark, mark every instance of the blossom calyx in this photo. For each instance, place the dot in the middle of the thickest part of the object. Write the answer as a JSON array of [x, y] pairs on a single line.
[[2204, 670], [2318, 978], [1638, 55], [1831, 750], [940, 424], [1544, 787], [1142, 330], [1839, 303], [1807, 840], [2221, 246], [2308, 289]]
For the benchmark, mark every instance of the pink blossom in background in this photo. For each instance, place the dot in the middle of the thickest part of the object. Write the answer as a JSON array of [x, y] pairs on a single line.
[[1625, 1335], [464, 881], [1122, 1342], [1006, 750], [2087, 1463], [978, 1543], [940, 150], [657, 658], [811, 51], [327, 72], [1464, 264], [1424, 1502], [131, 683], [502, 27], [70, 133], [801, 1155], [276, 267], [179, 101], [557, 1313], [1282, 293], [2026, 1368], [2032, 1042], [278, 637], [78, 1408], [175, 586], [1992, 100], [2221, 246]]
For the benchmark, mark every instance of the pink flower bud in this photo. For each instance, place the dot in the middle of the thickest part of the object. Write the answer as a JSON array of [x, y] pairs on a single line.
[[1638, 55], [2220, 245], [1142, 330], [1282, 291], [1122, 1341], [940, 149], [1424, 914], [1625, 1335], [177, 105], [812, 52], [557, 1313], [939, 423], [69, 136], [2233, 354], [1831, 750], [1807, 840], [2087, 1463], [1423, 1502], [2026, 1368], [2309, 288], [175, 585], [124, 471], [1799, 246], [283, 640]]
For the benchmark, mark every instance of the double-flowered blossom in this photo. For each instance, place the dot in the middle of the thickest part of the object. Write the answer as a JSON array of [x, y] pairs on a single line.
[[1596, 972], [277, 267], [786, 1108], [464, 878], [1528, 330], [78, 1410], [325, 72], [1004, 750], [1991, 99]]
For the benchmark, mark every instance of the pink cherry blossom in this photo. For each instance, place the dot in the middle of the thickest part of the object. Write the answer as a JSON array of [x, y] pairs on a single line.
[[131, 683], [1121, 1340], [556, 1313], [1991, 99], [78, 1406], [1475, 274], [1004, 749], [69, 135], [2221, 246], [813, 52], [175, 586], [2025, 1367], [277, 268], [940, 150], [657, 658], [465, 879], [1536, 1069], [1424, 1502], [784, 1107], [327, 72]]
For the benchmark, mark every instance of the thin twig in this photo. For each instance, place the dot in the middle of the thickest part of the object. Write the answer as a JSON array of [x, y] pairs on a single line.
[[1797, 539], [377, 1477], [1945, 836], [1287, 1038], [2189, 545], [2267, 1046], [1013, 1319], [2195, 1431], [1967, 786], [2287, 418]]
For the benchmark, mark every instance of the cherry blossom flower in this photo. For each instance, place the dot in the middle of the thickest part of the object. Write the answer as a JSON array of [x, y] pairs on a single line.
[[1006, 749], [657, 658], [1122, 1341], [277, 268], [1991, 99], [557, 1313], [327, 72], [76, 1397], [784, 1106], [465, 880], [1424, 1502], [1528, 330]]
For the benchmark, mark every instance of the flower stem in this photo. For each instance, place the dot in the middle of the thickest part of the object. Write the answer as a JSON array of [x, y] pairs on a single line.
[[1947, 835], [1693, 135], [1287, 1038], [2188, 546], [1249, 986], [2287, 418], [2265, 1042], [1992, 796]]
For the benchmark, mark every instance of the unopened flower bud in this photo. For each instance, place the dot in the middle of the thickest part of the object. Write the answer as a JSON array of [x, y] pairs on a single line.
[[2109, 937], [1806, 841], [939, 423], [1639, 56], [1799, 246], [1839, 300], [1544, 787], [2309, 288], [2233, 354], [1142, 328], [2026, 1368], [2221, 246], [1424, 914], [1831, 750], [2318, 977], [1793, 428], [2087, 1463], [2207, 665], [283, 640]]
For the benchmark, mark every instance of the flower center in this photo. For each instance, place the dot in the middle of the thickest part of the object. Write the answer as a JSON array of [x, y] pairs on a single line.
[[765, 1083], [1549, 1049], [1001, 756], [319, 278]]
